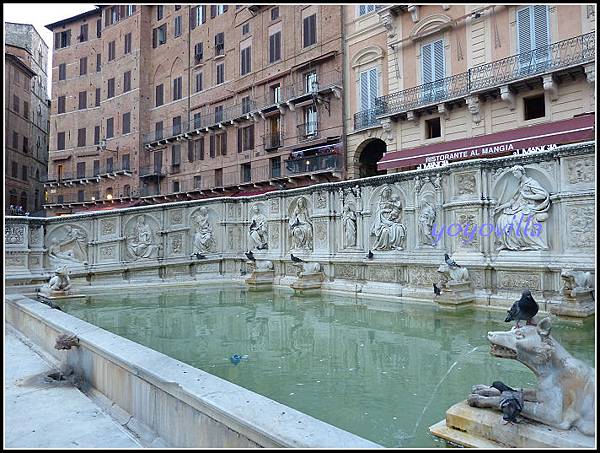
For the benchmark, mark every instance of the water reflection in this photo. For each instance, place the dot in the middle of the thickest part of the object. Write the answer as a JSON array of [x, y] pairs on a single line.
[[385, 371]]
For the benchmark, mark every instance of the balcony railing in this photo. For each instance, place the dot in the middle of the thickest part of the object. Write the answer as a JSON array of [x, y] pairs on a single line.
[[308, 131], [152, 170], [273, 140], [103, 171], [366, 118], [560, 55], [312, 164]]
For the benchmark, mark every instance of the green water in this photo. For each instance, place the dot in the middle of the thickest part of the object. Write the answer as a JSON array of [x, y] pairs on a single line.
[[385, 371]]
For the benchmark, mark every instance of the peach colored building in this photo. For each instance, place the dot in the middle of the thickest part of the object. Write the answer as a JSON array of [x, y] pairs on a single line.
[[453, 73], [173, 102]]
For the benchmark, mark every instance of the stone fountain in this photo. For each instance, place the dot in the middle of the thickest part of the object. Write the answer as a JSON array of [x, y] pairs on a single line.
[[262, 275], [455, 285], [59, 286], [309, 279], [558, 413]]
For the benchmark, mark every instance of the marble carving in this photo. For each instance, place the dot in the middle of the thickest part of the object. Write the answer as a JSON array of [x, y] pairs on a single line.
[[203, 235], [257, 230], [139, 240], [301, 228], [426, 221], [70, 249], [387, 227]]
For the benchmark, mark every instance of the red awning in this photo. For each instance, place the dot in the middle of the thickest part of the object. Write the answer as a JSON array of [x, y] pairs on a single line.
[[573, 130]]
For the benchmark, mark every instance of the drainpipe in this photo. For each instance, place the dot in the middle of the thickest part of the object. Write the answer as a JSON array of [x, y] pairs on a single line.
[[345, 85]]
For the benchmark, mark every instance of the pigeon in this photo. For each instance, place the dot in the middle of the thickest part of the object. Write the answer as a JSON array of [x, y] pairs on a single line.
[[295, 259], [511, 402], [253, 225], [250, 255], [523, 309], [296, 223], [235, 359], [436, 290], [199, 256], [242, 272], [450, 262], [370, 255]]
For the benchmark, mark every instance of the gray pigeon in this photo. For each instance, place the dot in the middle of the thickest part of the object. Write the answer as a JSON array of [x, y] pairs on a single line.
[[250, 255], [523, 309], [450, 262], [511, 401]]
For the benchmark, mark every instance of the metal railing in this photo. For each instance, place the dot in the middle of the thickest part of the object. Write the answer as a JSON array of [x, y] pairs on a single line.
[[308, 131], [570, 52], [273, 140], [366, 118], [74, 176], [152, 170], [312, 164]]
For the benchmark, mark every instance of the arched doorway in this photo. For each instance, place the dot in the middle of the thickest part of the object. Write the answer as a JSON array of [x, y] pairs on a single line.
[[369, 153]]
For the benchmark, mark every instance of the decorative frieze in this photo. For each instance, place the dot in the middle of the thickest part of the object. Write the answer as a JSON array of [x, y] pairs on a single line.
[[14, 234], [581, 170], [581, 228], [518, 280]]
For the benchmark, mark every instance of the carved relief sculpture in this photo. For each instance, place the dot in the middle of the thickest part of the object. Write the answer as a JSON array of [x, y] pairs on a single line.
[[258, 229], [139, 241], [349, 222], [203, 237], [71, 249], [301, 228], [530, 201], [387, 227], [426, 221]]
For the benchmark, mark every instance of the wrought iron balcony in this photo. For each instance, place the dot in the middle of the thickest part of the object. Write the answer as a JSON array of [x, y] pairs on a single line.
[[561, 55], [106, 171], [152, 171], [366, 118], [308, 131], [314, 164], [273, 140]]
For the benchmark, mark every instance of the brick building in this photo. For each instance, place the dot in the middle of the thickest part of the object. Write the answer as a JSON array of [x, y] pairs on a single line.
[[26, 113], [168, 102]]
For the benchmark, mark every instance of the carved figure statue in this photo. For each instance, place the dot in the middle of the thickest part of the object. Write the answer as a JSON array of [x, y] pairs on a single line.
[[426, 221], [308, 268], [301, 228], [72, 248], [575, 282], [65, 341], [349, 222], [452, 274], [258, 229], [530, 200], [387, 228], [262, 265], [565, 394], [139, 243], [60, 281], [203, 237]]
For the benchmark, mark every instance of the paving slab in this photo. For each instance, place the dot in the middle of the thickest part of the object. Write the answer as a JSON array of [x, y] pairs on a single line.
[[43, 413]]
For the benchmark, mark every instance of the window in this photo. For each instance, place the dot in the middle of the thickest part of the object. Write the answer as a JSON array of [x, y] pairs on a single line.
[[26, 109], [160, 12], [199, 149], [98, 28], [275, 47], [246, 173], [177, 7], [365, 9], [15, 169], [432, 64], [275, 167], [82, 100], [62, 39], [81, 169], [111, 88], [246, 28], [197, 182], [83, 66], [246, 63], [112, 50], [96, 135], [221, 9], [246, 138], [534, 107], [81, 133], [311, 84], [220, 44], [126, 123], [246, 104], [175, 186], [310, 30], [80, 195], [276, 93], [177, 125], [127, 81], [159, 35], [60, 141], [433, 128], [198, 52], [125, 162], [127, 190], [310, 121], [198, 16], [177, 88], [61, 104], [369, 88], [16, 103], [177, 26], [127, 44], [159, 95], [83, 33], [98, 62], [221, 144], [198, 86], [175, 158], [218, 113], [158, 130], [110, 125], [275, 13], [60, 199], [97, 103], [197, 120], [25, 145], [220, 73], [114, 14], [109, 167], [533, 34], [218, 177], [62, 71]]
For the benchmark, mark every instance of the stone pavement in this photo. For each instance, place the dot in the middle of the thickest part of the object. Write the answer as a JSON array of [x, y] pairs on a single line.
[[40, 414]]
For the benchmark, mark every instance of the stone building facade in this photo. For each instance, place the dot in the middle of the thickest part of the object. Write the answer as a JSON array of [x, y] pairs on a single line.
[[194, 101], [24, 42], [456, 72]]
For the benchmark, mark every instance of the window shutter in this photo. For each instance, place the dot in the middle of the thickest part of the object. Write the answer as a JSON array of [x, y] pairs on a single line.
[[193, 17], [277, 46], [426, 54], [362, 9], [252, 136], [225, 8], [190, 151], [106, 17], [524, 31], [305, 29], [201, 148], [239, 139], [57, 40], [438, 57], [203, 13], [271, 48], [212, 146], [68, 38], [154, 33], [224, 144], [213, 11], [540, 26], [373, 87]]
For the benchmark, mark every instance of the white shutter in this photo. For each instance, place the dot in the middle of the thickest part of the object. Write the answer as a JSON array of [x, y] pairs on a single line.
[[524, 40], [364, 90], [541, 34], [426, 65], [362, 10], [373, 88], [438, 60]]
